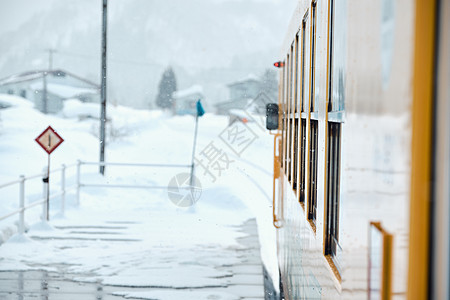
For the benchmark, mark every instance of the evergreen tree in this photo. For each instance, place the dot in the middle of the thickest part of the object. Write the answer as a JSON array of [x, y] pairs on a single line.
[[167, 86], [269, 84]]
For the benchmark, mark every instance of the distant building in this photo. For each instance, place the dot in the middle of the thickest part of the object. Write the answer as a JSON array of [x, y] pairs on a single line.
[[58, 85], [242, 93], [246, 88], [184, 101]]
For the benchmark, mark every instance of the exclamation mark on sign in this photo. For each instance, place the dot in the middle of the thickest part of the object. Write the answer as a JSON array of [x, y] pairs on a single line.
[[49, 140]]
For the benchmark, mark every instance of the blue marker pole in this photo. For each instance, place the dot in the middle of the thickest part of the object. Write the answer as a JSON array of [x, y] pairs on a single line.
[[200, 112]]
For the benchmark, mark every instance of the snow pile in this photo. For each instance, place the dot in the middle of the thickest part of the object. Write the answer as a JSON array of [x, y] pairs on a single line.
[[8, 101], [74, 108]]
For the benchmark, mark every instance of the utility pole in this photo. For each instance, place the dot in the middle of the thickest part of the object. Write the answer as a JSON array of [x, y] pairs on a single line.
[[44, 93], [103, 90], [50, 58]]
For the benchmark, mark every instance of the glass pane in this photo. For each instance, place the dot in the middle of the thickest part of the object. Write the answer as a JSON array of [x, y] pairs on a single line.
[[375, 263], [339, 36]]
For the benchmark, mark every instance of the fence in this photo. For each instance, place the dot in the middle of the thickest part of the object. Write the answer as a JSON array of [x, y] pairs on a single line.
[[44, 201]]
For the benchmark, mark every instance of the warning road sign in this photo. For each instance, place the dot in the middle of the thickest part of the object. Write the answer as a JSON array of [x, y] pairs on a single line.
[[49, 140]]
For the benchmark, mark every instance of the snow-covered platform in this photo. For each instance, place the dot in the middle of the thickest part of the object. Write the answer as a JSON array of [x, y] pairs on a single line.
[[204, 276]]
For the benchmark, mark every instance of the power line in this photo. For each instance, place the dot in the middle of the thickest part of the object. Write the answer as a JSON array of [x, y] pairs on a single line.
[[143, 63], [122, 61]]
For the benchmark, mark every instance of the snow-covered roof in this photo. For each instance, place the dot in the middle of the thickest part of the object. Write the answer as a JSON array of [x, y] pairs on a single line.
[[242, 102], [21, 77], [193, 90], [64, 91], [239, 113], [32, 75], [249, 77]]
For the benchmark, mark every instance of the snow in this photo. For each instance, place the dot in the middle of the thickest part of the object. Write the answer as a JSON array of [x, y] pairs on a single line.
[[135, 237], [64, 91], [74, 108], [193, 90], [15, 101], [249, 77], [170, 295]]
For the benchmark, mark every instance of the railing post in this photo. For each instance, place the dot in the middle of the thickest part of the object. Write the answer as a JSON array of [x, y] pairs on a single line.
[[44, 194], [22, 205], [63, 189], [78, 181]]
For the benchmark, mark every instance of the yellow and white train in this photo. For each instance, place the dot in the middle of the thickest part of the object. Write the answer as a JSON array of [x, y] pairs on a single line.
[[361, 172]]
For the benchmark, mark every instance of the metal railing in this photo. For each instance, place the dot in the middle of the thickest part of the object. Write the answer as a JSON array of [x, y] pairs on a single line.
[[77, 186], [44, 201], [109, 185]]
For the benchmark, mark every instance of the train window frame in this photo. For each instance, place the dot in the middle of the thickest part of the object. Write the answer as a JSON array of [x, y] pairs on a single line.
[[282, 116], [312, 182], [332, 192], [336, 79], [313, 128], [313, 55], [303, 116], [285, 116], [334, 128], [295, 116], [288, 117]]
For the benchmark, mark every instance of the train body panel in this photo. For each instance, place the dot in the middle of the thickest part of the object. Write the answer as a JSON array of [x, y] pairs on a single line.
[[346, 110]]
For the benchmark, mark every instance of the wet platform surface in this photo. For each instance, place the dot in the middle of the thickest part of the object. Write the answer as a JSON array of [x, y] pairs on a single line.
[[244, 282]]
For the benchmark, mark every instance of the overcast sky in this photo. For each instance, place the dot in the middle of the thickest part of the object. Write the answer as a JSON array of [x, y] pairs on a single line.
[[14, 13], [209, 42]]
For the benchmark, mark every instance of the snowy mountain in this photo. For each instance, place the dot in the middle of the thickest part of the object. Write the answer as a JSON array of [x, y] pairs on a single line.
[[207, 42]]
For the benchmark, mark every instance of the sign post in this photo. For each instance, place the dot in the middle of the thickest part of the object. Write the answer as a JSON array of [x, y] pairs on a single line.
[[200, 111], [49, 140]]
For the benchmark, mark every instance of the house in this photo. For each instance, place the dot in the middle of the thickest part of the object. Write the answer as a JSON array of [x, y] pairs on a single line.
[[184, 101], [246, 88], [48, 89], [242, 93]]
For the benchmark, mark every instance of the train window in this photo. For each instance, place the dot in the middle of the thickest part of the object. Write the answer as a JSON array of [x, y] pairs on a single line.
[[296, 116], [335, 99], [332, 189], [296, 73], [312, 200], [303, 117], [290, 148], [336, 62], [285, 116], [302, 160], [295, 158], [288, 117], [313, 57], [303, 64], [314, 129], [290, 114]]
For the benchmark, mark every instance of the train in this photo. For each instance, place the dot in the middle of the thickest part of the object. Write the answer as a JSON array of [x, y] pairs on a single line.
[[362, 151]]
